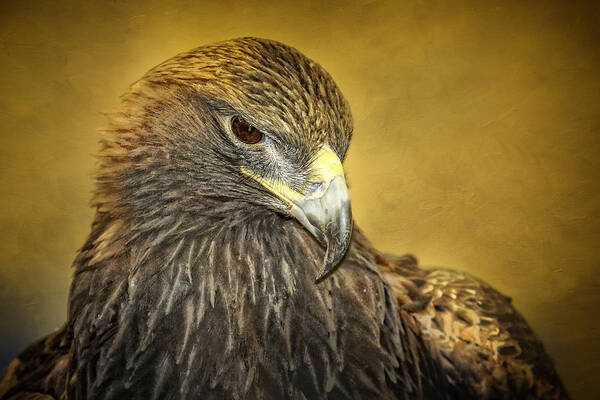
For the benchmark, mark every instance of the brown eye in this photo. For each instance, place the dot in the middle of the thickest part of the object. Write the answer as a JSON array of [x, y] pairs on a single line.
[[245, 132]]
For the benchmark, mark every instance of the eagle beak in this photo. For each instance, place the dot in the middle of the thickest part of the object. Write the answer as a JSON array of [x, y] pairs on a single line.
[[323, 208], [328, 217]]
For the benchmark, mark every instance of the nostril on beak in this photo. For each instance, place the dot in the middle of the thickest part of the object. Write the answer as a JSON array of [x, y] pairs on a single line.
[[313, 187]]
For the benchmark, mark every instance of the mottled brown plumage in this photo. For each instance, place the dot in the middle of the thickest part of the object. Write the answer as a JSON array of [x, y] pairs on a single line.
[[196, 283]]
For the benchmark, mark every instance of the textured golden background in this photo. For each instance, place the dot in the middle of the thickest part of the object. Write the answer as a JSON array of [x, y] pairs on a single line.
[[476, 141]]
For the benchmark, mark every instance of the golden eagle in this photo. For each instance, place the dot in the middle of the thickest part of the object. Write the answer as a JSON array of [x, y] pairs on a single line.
[[223, 262]]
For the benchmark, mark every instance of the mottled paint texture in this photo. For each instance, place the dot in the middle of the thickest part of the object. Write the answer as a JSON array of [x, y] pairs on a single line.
[[476, 140]]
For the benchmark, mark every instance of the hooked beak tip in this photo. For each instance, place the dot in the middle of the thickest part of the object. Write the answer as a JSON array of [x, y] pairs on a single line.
[[335, 252]]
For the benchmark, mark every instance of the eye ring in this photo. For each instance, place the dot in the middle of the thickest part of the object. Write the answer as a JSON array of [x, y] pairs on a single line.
[[245, 132]]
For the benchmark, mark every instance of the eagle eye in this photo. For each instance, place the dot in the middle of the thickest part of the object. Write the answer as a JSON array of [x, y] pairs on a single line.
[[245, 132]]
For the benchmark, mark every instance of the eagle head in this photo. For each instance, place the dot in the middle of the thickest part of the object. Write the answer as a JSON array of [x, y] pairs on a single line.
[[252, 123]]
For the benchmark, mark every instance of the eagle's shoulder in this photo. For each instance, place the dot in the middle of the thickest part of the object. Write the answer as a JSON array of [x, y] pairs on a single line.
[[473, 329], [40, 371]]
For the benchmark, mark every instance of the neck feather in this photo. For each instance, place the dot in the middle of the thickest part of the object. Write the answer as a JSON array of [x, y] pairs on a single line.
[[230, 299]]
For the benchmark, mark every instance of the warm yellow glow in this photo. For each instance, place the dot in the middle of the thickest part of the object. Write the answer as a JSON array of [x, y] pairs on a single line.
[[476, 139]]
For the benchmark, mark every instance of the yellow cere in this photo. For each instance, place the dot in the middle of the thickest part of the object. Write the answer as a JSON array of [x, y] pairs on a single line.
[[327, 165], [324, 168]]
